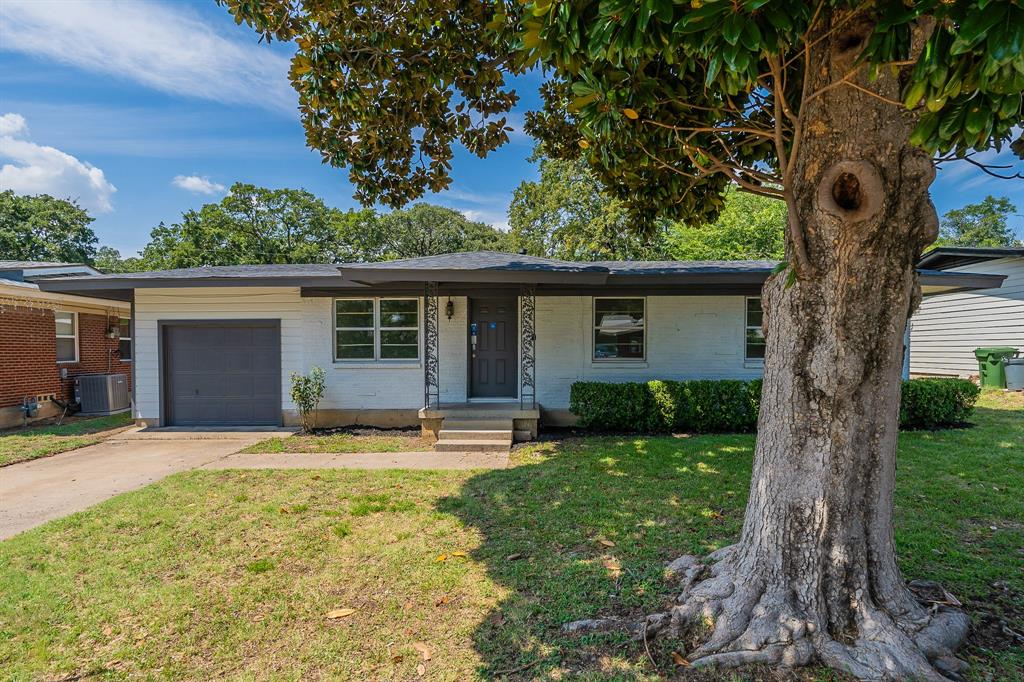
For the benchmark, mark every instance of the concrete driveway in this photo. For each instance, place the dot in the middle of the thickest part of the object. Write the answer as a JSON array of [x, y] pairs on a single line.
[[32, 493]]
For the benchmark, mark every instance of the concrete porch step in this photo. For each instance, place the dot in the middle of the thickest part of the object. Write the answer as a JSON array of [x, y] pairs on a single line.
[[463, 445], [475, 434], [480, 424]]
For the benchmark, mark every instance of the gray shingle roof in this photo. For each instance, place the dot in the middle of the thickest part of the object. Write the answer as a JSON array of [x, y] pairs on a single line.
[[479, 260], [226, 272]]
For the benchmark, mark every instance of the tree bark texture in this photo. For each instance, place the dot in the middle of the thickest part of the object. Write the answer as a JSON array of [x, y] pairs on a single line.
[[814, 575]]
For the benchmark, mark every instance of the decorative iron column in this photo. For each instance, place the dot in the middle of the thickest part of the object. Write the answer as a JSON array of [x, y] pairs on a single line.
[[431, 371], [528, 362]]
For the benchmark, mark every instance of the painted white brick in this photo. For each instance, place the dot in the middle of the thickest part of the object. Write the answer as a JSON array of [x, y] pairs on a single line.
[[687, 337]]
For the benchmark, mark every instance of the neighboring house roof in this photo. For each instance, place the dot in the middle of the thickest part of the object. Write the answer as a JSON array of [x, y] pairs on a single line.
[[479, 268], [33, 270], [29, 264], [945, 257]]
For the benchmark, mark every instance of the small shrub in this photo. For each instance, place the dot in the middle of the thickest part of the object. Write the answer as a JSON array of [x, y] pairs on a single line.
[[933, 403], [307, 392], [731, 406]]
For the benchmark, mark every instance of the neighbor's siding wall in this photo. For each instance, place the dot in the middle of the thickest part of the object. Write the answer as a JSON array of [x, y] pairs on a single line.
[[688, 337], [948, 327]]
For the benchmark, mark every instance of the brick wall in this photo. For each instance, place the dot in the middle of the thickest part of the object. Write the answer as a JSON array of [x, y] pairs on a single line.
[[28, 354]]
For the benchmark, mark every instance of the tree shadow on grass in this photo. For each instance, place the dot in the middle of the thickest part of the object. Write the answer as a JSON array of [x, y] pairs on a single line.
[[583, 529]]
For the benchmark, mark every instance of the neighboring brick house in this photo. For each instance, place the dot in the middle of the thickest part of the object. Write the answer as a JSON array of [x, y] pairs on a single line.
[[46, 339]]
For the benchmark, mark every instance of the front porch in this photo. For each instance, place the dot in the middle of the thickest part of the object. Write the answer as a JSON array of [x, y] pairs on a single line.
[[479, 426]]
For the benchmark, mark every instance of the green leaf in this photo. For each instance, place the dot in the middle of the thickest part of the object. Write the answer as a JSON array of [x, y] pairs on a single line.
[[791, 278], [780, 267], [914, 94], [751, 36], [732, 28]]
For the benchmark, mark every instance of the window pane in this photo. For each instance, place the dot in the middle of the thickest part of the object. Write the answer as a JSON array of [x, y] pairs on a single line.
[[124, 349], [618, 345], [125, 328], [354, 345], [355, 352], [399, 352], [754, 314], [358, 320], [354, 306], [356, 337], [619, 315], [65, 350], [755, 344], [395, 313], [402, 338], [399, 345], [65, 323]]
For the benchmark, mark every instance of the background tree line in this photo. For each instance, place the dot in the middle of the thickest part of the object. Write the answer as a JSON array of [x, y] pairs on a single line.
[[563, 214]]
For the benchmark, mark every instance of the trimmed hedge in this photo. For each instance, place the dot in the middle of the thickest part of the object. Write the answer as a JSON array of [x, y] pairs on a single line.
[[934, 403], [730, 406]]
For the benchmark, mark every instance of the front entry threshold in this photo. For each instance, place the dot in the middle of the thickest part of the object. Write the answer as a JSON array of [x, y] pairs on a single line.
[[479, 425]]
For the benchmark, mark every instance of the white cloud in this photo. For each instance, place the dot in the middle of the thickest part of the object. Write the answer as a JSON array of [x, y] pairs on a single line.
[[36, 169], [165, 47], [198, 184], [13, 124], [495, 219]]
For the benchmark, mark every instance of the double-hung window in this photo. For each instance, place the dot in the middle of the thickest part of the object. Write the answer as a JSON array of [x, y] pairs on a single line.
[[124, 339], [753, 343], [66, 325], [372, 329], [619, 332]]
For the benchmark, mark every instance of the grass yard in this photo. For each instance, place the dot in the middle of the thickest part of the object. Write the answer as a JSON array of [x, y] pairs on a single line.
[[33, 442], [461, 575], [372, 441]]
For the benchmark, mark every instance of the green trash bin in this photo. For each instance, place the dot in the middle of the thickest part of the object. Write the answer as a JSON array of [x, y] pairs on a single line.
[[990, 364]]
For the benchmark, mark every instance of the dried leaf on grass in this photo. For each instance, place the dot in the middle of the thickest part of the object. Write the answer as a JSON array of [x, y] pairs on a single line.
[[334, 614], [423, 649], [678, 658]]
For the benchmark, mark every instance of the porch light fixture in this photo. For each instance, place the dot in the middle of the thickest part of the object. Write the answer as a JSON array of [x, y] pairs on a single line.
[[449, 309]]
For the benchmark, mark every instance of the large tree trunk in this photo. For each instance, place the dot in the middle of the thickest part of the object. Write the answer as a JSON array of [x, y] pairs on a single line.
[[814, 575]]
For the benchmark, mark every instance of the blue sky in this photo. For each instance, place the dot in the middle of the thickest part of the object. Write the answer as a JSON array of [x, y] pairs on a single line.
[[144, 109]]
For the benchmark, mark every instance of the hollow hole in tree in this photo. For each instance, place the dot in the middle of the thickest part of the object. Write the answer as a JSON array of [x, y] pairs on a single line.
[[847, 192]]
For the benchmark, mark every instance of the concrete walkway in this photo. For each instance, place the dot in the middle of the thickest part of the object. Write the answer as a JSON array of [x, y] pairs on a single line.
[[32, 493], [364, 460]]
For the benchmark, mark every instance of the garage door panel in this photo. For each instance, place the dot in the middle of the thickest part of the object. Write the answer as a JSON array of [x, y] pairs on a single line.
[[222, 374]]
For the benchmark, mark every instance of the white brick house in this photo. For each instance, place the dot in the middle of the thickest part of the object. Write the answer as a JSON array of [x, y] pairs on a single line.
[[403, 341]]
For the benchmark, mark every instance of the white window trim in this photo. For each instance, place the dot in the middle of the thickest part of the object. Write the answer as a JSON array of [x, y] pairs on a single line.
[[126, 338], [74, 318], [632, 362], [376, 360], [748, 361]]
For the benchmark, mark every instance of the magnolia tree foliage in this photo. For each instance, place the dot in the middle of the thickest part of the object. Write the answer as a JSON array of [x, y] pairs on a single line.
[[668, 102]]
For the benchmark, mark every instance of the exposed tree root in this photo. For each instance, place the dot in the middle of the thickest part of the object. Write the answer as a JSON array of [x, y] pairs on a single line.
[[742, 622]]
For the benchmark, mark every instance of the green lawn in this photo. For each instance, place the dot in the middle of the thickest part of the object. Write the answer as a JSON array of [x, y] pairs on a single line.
[[341, 442], [232, 573], [21, 444]]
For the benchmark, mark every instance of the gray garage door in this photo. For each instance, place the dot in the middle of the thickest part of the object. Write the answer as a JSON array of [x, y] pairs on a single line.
[[222, 374]]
